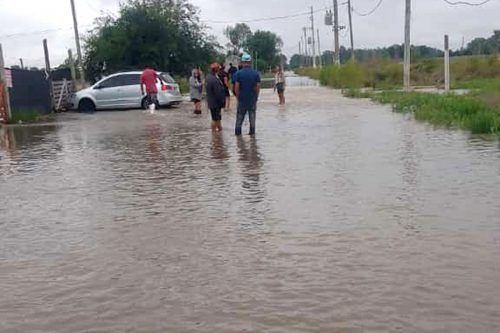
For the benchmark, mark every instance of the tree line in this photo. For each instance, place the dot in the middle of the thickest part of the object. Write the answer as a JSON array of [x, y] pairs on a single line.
[[168, 35], [478, 46]]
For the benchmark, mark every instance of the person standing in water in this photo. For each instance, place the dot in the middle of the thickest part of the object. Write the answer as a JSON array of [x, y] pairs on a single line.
[[148, 80], [247, 91], [223, 76], [232, 75], [279, 80], [216, 96], [196, 90]]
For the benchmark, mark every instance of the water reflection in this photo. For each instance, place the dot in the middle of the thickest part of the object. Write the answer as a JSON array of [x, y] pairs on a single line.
[[308, 226], [218, 148]]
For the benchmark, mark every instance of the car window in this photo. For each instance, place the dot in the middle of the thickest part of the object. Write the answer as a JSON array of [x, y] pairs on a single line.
[[131, 79], [114, 81], [167, 78]]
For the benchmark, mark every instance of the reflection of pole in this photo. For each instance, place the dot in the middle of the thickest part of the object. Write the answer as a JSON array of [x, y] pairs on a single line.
[[5, 91], [313, 39], [407, 46], [350, 28], [446, 64], [319, 52], [78, 48], [336, 29]]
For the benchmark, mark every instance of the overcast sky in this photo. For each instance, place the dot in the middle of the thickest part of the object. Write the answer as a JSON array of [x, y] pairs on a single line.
[[25, 23]]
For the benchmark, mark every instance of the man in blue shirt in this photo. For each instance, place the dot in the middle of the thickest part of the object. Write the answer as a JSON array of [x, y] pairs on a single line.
[[247, 89]]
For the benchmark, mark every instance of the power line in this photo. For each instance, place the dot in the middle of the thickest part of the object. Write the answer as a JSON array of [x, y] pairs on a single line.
[[371, 11], [465, 3], [38, 32], [271, 18]]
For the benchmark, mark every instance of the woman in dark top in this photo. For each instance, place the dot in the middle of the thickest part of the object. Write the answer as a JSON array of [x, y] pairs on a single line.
[[216, 96]]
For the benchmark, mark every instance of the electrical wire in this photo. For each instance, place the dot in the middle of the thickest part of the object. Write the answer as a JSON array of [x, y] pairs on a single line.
[[371, 11], [465, 3], [266, 18]]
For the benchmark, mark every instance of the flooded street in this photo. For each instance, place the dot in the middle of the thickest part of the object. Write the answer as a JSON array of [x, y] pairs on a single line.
[[339, 216]]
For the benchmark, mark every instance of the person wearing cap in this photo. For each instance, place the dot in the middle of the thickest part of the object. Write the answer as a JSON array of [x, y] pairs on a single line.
[[247, 89], [216, 96]]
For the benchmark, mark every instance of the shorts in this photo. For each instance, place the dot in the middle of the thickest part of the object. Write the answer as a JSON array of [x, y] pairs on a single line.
[[152, 98], [280, 87], [216, 114]]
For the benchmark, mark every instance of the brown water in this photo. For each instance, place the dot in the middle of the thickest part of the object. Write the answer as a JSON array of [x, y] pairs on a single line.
[[339, 216]]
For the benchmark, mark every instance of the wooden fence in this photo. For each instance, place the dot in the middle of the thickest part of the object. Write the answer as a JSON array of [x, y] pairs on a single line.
[[62, 91], [3, 105]]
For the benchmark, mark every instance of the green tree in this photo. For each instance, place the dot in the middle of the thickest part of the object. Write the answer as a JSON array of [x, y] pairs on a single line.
[[266, 45], [237, 36], [166, 34]]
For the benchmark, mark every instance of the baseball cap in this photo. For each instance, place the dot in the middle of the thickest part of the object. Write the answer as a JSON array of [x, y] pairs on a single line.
[[246, 57]]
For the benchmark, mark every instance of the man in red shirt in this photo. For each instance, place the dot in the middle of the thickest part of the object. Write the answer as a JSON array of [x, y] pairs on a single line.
[[148, 79]]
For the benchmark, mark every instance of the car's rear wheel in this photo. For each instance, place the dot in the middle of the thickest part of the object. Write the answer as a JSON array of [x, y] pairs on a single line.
[[86, 105]]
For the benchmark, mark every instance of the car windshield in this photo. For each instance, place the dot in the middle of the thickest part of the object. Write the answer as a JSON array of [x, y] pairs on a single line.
[[167, 78]]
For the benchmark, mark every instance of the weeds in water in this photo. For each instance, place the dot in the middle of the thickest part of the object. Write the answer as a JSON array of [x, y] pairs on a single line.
[[465, 112], [25, 116]]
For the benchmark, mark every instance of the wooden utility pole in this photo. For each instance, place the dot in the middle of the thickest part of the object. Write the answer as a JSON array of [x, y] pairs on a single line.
[[313, 38], [48, 71], [21, 62], [5, 91], [446, 64], [72, 66], [349, 9], [336, 29], [407, 46], [319, 52], [78, 48], [305, 45], [300, 52]]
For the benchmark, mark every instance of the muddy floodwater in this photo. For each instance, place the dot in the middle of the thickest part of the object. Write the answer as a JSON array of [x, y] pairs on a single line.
[[338, 216]]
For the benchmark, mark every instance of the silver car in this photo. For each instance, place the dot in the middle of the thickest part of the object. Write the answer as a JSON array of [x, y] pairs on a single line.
[[123, 91]]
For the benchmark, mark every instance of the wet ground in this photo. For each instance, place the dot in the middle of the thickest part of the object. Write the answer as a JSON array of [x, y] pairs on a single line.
[[339, 216]]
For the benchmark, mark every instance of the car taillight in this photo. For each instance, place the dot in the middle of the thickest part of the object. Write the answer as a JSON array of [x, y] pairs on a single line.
[[166, 87]]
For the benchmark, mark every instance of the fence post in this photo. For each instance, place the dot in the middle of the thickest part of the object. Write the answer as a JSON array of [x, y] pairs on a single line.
[[446, 64], [5, 89]]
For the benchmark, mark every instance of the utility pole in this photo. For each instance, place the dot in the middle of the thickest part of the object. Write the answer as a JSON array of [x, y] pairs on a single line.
[[78, 48], [313, 39], [300, 52], [47, 70], [305, 45], [5, 91], [407, 46], [446, 63], [72, 66], [349, 8], [22, 63], [336, 29], [319, 52]]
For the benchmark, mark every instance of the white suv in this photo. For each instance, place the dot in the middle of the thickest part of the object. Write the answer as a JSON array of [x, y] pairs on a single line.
[[123, 91]]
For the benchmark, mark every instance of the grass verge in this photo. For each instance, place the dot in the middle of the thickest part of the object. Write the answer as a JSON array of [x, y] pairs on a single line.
[[25, 116]]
